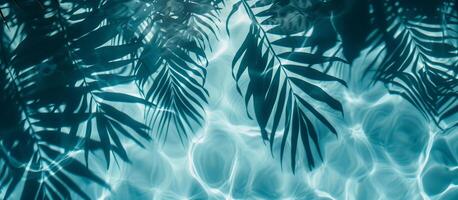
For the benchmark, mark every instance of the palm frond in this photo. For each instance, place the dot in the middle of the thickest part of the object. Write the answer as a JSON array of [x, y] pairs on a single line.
[[55, 88], [34, 147], [420, 42], [282, 72], [172, 68]]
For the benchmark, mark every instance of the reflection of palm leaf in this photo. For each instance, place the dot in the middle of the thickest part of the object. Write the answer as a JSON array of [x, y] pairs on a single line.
[[54, 90], [421, 55], [280, 92], [172, 68]]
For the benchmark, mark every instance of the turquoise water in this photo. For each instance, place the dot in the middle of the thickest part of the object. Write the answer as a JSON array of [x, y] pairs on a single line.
[[385, 149]]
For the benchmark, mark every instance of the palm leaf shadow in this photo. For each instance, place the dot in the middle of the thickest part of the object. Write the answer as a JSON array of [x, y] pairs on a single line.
[[55, 74], [281, 92], [171, 71], [420, 45]]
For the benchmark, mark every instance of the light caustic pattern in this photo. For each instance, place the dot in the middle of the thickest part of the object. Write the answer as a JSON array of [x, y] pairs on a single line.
[[385, 150]]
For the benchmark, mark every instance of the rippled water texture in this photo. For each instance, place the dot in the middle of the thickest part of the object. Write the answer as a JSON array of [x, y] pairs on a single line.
[[385, 149]]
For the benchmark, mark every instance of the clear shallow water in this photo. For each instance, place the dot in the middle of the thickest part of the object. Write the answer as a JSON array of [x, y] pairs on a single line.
[[385, 150]]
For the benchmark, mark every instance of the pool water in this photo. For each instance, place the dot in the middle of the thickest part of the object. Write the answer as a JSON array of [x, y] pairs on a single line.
[[385, 147]]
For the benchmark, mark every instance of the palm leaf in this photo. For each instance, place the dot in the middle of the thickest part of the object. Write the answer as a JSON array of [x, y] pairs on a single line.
[[421, 55], [172, 68], [57, 68], [282, 93]]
